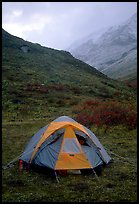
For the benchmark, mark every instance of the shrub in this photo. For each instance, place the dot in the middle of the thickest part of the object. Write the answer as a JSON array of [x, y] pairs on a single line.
[[37, 87], [108, 113]]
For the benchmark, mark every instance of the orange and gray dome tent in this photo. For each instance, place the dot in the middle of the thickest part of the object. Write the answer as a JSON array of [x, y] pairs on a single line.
[[65, 144]]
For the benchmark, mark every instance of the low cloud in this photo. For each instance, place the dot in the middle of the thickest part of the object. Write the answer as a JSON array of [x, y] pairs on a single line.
[[59, 24]]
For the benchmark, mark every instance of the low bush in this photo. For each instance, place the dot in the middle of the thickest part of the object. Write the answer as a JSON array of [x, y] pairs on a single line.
[[108, 113]]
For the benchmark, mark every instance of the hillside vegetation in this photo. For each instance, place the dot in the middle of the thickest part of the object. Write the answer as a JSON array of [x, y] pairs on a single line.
[[40, 84]]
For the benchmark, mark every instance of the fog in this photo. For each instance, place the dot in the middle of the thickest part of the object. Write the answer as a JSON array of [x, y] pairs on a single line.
[[59, 24]]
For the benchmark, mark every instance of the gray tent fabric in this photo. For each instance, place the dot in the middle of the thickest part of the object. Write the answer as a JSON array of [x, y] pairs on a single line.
[[64, 118], [103, 152], [32, 144], [48, 153], [92, 156]]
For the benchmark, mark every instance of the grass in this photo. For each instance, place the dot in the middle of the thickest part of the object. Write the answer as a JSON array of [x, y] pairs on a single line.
[[20, 121], [117, 183]]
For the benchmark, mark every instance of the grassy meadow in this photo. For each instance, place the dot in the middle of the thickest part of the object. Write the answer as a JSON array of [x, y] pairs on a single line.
[[117, 183], [43, 84]]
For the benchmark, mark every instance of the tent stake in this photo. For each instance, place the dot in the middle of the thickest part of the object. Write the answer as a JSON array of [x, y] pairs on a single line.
[[95, 174], [56, 176]]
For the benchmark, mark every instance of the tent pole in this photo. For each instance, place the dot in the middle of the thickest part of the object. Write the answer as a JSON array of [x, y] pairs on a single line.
[[56, 176]]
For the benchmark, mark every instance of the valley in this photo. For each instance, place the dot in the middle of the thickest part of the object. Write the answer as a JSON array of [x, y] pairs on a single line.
[[40, 84]]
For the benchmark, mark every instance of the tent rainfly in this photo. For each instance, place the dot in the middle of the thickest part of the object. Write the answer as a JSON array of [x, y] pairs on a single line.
[[65, 144]]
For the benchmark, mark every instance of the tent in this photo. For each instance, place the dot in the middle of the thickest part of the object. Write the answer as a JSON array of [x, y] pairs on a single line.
[[65, 144]]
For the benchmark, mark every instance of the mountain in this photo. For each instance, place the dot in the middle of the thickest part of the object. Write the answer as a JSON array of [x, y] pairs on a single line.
[[59, 66], [113, 50], [37, 80]]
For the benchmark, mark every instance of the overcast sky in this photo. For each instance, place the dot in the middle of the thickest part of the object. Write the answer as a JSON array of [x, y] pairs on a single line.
[[59, 24]]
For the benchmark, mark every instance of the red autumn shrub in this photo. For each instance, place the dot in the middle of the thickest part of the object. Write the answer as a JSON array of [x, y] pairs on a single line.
[[84, 118], [37, 87], [108, 113], [131, 120], [91, 103]]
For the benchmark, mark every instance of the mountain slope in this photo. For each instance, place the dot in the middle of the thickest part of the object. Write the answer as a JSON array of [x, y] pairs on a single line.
[[114, 52], [37, 80], [53, 62]]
